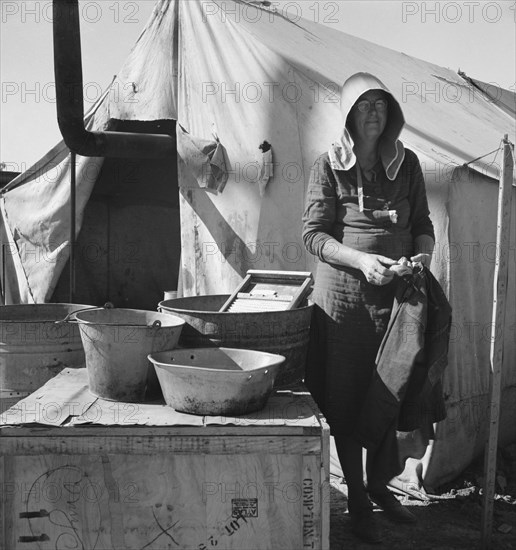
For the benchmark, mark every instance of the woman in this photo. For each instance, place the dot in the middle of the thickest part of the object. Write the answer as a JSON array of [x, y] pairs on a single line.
[[366, 213]]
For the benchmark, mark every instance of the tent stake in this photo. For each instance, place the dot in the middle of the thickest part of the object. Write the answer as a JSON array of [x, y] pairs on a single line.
[[72, 226], [497, 338]]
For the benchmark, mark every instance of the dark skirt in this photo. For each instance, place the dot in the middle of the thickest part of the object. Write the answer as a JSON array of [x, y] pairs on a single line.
[[349, 321]]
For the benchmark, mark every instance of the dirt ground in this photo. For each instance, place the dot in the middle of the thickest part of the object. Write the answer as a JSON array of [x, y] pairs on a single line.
[[451, 521]]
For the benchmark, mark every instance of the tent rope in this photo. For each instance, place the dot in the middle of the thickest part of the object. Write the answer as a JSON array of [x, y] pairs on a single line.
[[500, 148], [497, 150]]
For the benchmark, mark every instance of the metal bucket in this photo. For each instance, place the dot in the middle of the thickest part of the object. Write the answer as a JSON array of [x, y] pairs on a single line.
[[116, 343], [216, 381], [285, 333], [34, 348]]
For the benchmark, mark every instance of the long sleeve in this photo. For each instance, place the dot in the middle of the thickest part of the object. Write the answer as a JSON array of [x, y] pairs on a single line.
[[320, 207], [421, 224]]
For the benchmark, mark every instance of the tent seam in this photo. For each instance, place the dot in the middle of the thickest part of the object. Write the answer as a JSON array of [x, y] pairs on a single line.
[[11, 238]]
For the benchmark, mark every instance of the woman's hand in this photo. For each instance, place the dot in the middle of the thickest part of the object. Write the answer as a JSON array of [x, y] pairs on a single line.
[[425, 259], [401, 270], [376, 268], [403, 267]]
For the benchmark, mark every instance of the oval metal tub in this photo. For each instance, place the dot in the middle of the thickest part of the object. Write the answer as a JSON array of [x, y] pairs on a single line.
[[216, 381]]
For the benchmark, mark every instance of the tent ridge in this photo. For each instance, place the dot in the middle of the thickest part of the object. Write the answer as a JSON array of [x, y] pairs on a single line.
[[261, 5], [450, 81]]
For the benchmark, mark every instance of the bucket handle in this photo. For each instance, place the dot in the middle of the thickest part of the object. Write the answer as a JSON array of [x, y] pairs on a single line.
[[107, 305]]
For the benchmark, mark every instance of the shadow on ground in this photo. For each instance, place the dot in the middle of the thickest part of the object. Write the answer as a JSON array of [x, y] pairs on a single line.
[[451, 522]]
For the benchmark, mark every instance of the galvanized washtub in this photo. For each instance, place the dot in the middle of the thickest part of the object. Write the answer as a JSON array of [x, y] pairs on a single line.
[[281, 332], [34, 348], [216, 381]]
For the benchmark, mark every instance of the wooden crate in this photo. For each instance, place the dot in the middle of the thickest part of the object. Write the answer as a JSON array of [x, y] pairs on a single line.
[[81, 472]]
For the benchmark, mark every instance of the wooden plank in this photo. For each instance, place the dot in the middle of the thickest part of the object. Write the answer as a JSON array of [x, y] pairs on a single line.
[[196, 502], [3, 504], [10, 494], [146, 445], [303, 292], [264, 275], [497, 337], [233, 295], [325, 487], [155, 431]]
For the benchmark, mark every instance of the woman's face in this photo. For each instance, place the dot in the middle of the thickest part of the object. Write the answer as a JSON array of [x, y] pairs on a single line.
[[368, 122]]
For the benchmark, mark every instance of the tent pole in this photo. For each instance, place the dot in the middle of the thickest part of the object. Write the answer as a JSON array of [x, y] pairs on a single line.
[[72, 225], [3, 273], [497, 337]]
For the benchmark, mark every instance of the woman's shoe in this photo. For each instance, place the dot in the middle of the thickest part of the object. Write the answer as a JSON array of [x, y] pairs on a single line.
[[393, 509], [365, 526]]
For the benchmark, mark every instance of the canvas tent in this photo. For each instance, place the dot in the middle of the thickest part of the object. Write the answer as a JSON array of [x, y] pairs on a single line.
[[234, 75], [504, 99]]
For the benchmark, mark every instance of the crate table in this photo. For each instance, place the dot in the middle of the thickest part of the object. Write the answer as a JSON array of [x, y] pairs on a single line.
[[82, 472]]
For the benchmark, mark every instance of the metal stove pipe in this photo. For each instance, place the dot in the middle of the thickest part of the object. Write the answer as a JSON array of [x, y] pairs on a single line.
[[70, 103]]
